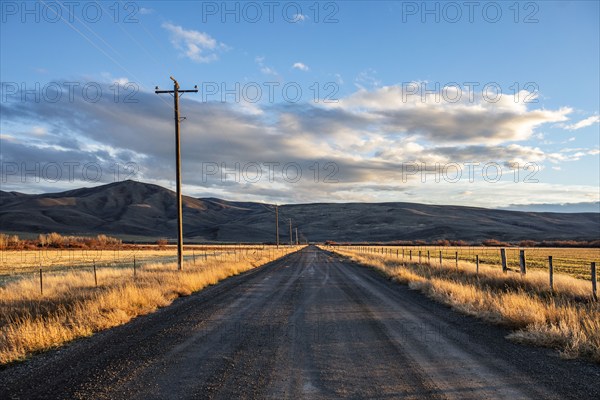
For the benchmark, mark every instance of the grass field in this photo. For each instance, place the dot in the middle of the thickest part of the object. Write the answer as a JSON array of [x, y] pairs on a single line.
[[14, 263], [570, 261], [73, 306], [566, 318]]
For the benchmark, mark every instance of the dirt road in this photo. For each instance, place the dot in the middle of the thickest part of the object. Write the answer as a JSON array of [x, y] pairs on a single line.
[[310, 325]]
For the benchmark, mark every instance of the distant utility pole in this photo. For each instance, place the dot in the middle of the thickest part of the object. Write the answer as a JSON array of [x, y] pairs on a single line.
[[176, 93], [296, 236], [277, 223], [291, 238]]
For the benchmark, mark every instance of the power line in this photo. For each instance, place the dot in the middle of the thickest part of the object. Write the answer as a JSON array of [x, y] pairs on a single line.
[[72, 26], [140, 45]]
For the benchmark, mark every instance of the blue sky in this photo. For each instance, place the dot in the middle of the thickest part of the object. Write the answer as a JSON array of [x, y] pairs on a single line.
[[379, 138]]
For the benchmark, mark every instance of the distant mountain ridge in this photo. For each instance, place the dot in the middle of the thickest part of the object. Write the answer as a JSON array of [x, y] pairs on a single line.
[[147, 212], [557, 208]]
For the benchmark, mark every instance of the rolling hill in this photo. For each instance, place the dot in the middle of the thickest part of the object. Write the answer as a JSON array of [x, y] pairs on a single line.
[[143, 211]]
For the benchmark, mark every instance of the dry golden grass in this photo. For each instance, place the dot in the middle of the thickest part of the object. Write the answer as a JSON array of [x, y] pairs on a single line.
[[566, 318], [570, 261], [72, 307], [18, 261]]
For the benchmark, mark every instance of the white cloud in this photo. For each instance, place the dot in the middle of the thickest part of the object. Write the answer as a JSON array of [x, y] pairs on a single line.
[[367, 79], [300, 66], [594, 119], [197, 46], [8, 138], [398, 111], [571, 154], [268, 71], [38, 131], [265, 69], [107, 77], [299, 18]]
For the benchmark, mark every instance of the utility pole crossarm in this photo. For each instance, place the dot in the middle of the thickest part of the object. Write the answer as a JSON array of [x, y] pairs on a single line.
[[178, 91]]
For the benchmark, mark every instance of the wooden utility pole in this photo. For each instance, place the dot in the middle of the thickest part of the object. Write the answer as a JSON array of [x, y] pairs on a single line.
[[291, 238], [277, 223], [176, 93], [296, 236]]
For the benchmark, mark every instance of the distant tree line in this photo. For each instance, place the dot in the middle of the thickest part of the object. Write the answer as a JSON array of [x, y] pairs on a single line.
[[58, 241], [486, 243]]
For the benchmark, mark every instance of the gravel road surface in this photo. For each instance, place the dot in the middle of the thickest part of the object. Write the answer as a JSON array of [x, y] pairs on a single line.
[[310, 325]]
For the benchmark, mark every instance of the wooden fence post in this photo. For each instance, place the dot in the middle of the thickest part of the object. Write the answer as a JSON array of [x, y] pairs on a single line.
[[134, 267], [477, 264], [456, 259], [410, 255], [41, 283], [440, 258], [503, 257], [551, 272], [594, 280], [419, 256], [522, 262], [95, 276], [428, 257]]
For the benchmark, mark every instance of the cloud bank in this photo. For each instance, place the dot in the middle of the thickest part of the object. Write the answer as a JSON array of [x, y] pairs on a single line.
[[374, 145]]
